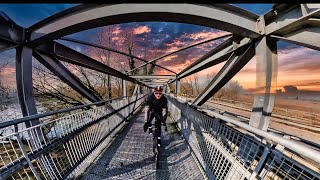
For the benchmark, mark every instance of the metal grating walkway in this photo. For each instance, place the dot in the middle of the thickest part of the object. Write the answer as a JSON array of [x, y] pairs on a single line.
[[130, 156]]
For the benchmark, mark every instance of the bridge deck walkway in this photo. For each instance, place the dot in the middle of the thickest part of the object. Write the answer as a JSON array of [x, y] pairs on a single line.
[[130, 156]]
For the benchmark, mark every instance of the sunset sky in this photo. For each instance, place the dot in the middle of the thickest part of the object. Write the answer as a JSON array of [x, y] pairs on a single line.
[[298, 66]]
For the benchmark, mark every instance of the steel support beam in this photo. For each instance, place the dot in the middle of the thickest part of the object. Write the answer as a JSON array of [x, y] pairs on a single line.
[[231, 68], [113, 50], [11, 34], [182, 49], [284, 21], [308, 37], [221, 16], [267, 68], [65, 75], [153, 80], [155, 83], [5, 45], [177, 87], [25, 90], [24, 82], [69, 55], [214, 57], [207, 60], [152, 77], [136, 89]]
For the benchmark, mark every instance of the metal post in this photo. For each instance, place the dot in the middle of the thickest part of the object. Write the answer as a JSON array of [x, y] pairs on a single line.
[[177, 89], [136, 89], [25, 91], [124, 88], [266, 76], [24, 81], [168, 89]]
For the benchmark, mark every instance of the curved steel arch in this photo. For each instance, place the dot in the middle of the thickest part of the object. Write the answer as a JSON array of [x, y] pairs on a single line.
[[291, 23], [225, 17]]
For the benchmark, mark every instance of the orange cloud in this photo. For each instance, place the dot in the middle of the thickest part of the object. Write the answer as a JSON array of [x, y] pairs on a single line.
[[298, 67], [141, 30], [204, 35], [175, 45], [169, 58], [175, 67], [194, 38]]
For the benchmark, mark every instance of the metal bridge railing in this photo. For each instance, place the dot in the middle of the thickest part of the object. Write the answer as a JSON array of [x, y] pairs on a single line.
[[62, 147], [229, 149]]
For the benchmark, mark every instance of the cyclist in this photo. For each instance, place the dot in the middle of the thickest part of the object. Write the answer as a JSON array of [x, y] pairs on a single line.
[[156, 107]]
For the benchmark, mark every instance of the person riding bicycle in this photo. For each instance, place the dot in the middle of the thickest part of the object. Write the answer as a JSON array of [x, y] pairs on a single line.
[[156, 107]]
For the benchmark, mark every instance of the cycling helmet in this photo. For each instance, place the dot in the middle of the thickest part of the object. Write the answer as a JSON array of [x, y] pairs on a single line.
[[158, 89]]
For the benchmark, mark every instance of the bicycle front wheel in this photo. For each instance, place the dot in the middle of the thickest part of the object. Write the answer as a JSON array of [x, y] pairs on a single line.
[[156, 151]]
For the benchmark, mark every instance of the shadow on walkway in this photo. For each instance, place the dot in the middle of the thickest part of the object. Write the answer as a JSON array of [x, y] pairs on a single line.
[[130, 156]]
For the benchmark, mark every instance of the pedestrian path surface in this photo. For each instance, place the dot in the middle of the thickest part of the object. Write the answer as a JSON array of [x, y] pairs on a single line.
[[130, 156]]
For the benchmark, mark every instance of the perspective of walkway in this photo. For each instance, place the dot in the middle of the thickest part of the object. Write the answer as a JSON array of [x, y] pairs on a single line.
[[130, 156], [242, 89]]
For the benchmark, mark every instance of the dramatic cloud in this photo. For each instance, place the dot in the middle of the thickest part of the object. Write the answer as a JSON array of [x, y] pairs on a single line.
[[175, 66], [296, 66], [170, 58], [204, 35], [141, 30], [175, 45], [299, 59]]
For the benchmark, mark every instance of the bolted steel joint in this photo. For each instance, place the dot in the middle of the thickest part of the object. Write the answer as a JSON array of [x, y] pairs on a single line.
[[260, 25]]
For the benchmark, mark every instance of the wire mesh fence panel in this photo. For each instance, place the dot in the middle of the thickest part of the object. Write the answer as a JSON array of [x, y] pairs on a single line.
[[226, 151], [56, 147], [280, 166]]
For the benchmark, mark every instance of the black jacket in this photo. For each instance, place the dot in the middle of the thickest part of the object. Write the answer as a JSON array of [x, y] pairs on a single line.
[[157, 104]]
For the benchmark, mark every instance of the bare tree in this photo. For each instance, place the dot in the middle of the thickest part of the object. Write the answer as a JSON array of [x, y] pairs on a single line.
[[129, 47], [102, 85], [231, 91], [50, 88], [189, 82], [185, 88], [152, 66], [104, 38], [209, 77]]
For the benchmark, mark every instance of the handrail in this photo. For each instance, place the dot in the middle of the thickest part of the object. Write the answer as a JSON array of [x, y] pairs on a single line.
[[55, 143], [37, 116], [296, 147]]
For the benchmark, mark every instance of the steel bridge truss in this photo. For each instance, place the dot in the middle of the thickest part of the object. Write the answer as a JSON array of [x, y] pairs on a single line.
[[249, 35]]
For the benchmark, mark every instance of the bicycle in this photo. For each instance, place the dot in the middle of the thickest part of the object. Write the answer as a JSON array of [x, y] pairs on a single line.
[[156, 148]]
